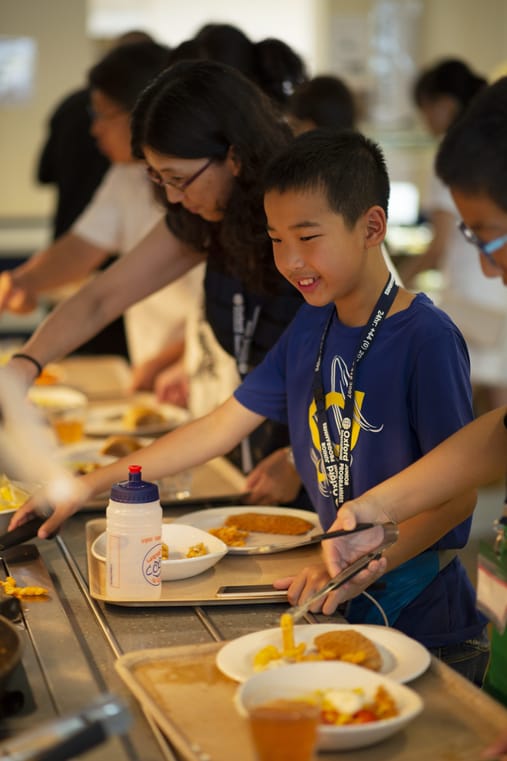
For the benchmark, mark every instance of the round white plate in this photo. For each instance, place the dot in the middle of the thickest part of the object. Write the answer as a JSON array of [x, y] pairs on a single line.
[[215, 517], [403, 659], [107, 419]]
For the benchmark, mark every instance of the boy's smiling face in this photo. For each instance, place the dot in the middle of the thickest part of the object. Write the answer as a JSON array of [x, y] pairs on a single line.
[[313, 247]]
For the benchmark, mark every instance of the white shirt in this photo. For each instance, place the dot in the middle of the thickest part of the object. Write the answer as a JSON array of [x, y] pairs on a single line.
[[122, 211]]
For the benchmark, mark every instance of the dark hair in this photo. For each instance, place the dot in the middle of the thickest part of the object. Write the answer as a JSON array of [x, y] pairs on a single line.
[[473, 154], [200, 109], [126, 70], [279, 69], [324, 100], [348, 167], [227, 44], [448, 77]]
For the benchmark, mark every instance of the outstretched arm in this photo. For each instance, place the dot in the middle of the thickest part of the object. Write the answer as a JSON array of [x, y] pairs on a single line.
[[157, 260], [197, 442], [67, 260]]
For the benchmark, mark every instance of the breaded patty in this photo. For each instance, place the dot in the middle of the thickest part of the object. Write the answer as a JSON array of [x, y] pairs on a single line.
[[267, 523], [351, 646]]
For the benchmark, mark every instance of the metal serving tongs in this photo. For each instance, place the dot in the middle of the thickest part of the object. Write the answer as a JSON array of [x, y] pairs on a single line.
[[390, 536]]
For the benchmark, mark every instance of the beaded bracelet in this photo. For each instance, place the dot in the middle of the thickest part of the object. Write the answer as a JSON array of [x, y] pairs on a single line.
[[34, 361]]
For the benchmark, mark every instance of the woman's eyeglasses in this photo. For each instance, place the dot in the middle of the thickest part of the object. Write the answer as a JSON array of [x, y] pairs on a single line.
[[181, 186], [487, 248]]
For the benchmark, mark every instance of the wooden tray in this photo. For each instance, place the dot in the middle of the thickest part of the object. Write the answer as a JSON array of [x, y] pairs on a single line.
[[202, 589], [192, 702]]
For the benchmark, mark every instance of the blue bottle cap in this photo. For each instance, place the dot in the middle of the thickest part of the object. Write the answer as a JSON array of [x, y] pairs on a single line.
[[134, 490]]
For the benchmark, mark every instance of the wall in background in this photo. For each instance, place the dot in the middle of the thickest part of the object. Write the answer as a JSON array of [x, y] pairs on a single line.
[[65, 50]]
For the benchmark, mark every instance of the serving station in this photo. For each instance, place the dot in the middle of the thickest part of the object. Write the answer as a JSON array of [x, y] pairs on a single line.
[[159, 659]]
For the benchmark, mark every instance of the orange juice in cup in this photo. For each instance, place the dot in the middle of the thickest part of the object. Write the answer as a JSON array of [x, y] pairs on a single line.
[[284, 730], [64, 408]]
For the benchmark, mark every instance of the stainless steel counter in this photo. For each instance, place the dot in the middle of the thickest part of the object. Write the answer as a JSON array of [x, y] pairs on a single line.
[[73, 641]]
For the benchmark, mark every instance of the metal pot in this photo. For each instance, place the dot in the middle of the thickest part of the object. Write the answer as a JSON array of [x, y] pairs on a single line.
[[11, 647]]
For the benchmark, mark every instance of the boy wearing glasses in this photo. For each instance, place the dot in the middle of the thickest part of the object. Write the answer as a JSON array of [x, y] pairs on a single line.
[[472, 161]]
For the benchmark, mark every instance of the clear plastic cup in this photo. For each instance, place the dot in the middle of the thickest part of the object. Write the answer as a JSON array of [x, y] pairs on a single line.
[[284, 730]]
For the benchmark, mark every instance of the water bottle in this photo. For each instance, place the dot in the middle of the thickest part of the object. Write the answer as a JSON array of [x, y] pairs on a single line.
[[133, 539]]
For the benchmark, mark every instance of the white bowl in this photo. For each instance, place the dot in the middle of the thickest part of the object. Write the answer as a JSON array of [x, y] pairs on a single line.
[[178, 538], [50, 398], [300, 679]]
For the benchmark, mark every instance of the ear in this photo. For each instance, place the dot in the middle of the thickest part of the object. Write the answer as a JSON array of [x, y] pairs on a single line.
[[375, 226], [232, 161]]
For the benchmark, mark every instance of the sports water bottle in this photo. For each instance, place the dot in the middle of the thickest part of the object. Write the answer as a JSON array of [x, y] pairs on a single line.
[[133, 539]]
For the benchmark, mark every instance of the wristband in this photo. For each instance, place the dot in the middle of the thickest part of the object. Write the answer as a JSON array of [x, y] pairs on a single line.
[[20, 355]]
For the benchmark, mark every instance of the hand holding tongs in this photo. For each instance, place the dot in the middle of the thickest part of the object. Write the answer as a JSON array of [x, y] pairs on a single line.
[[390, 536]]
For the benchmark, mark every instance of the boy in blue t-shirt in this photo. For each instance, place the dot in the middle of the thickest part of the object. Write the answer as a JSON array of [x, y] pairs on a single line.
[[368, 376]]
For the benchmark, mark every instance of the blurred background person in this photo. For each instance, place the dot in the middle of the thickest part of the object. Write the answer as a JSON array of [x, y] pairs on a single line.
[[324, 101], [442, 94], [124, 208]]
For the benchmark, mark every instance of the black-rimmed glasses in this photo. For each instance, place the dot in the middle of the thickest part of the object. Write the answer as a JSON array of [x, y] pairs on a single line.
[[180, 186], [487, 248]]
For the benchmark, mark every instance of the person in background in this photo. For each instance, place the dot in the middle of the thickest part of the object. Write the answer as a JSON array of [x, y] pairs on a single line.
[[70, 158], [206, 133], [472, 162], [442, 94], [279, 69], [326, 197], [324, 101], [122, 211]]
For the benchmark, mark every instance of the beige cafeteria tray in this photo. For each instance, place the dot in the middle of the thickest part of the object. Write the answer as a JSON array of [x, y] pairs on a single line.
[[192, 702], [202, 589], [215, 481]]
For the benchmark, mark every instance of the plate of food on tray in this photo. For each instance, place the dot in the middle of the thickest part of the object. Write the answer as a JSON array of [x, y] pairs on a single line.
[[139, 418], [380, 649], [250, 530]]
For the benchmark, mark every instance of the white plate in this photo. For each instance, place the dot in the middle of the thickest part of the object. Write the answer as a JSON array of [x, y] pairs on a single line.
[[403, 658], [215, 517], [178, 538], [301, 679], [106, 419]]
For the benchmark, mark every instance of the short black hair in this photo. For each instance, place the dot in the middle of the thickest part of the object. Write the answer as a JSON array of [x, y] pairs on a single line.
[[472, 157], [346, 165], [451, 77], [326, 101], [124, 72]]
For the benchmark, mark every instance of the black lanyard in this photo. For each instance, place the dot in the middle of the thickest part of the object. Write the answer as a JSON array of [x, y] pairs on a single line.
[[338, 471], [243, 331]]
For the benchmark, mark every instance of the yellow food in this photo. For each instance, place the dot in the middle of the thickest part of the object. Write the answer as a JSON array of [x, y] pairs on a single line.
[[11, 496], [343, 706], [10, 587], [197, 550], [138, 416], [347, 645], [230, 535], [120, 446], [267, 523], [194, 551]]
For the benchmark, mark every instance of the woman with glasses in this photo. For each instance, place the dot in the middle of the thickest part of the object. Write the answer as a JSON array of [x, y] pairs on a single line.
[[206, 133], [443, 94]]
